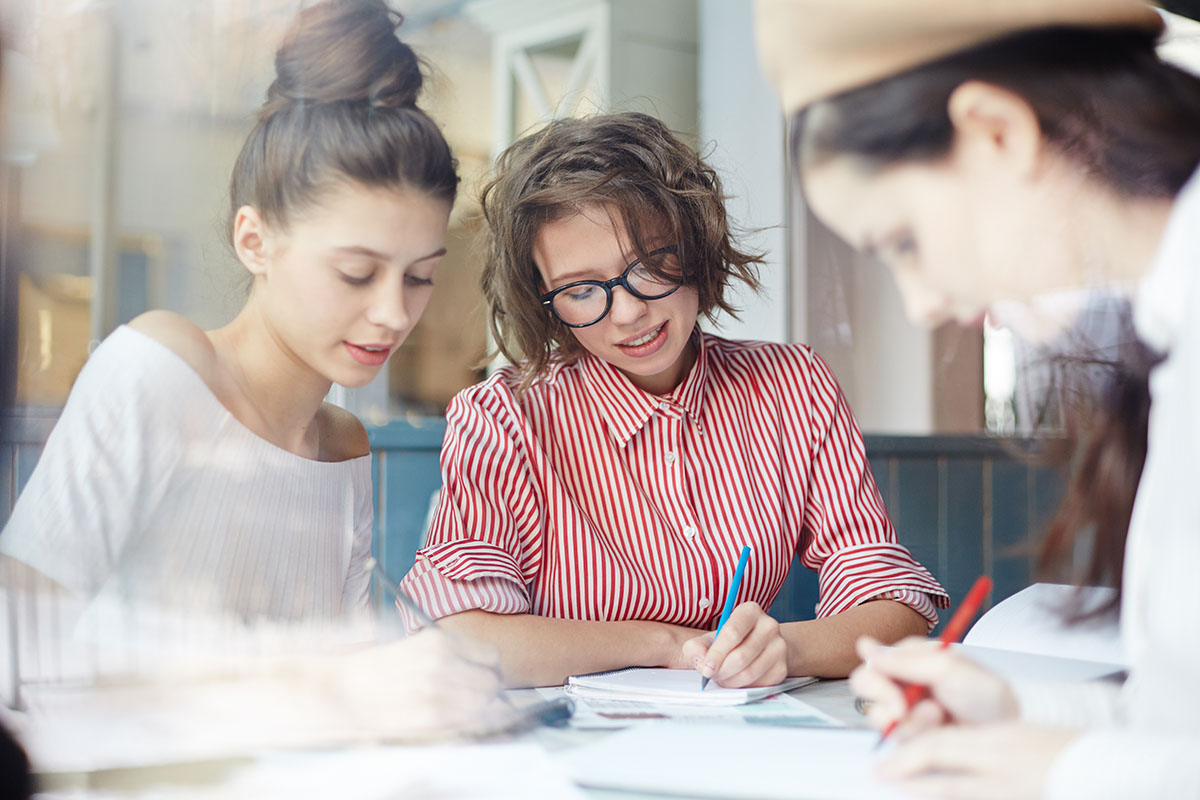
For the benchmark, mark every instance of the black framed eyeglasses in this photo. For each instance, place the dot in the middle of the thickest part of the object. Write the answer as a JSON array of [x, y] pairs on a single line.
[[583, 303]]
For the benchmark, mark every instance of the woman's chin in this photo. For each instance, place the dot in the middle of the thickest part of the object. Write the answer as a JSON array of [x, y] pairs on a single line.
[[1034, 325]]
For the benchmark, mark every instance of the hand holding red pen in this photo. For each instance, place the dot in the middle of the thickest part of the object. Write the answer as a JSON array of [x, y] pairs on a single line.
[[923, 684], [957, 721]]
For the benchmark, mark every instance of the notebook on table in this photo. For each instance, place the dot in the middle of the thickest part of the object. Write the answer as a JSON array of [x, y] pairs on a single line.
[[659, 685], [727, 761]]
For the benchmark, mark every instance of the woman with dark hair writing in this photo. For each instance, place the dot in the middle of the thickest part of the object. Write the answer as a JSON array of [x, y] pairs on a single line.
[[1010, 152]]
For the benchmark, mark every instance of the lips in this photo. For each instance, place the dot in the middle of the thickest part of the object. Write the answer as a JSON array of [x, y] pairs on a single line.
[[648, 343], [370, 355], [643, 338]]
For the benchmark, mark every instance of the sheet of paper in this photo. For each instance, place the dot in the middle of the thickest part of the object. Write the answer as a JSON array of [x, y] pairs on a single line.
[[657, 685], [781, 710], [698, 760], [1030, 622], [487, 772]]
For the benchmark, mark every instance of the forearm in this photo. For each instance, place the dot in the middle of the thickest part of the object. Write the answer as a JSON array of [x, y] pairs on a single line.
[[825, 647], [543, 651]]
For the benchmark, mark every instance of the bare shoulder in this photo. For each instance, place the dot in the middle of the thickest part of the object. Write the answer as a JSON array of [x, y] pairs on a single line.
[[343, 436], [181, 336]]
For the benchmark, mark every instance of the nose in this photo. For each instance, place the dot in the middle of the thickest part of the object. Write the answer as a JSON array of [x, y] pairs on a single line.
[[625, 307], [387, 308], [923, 305]]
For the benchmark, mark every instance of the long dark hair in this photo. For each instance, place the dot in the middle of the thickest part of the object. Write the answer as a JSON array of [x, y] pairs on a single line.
[[1108, 103], [343, 106]]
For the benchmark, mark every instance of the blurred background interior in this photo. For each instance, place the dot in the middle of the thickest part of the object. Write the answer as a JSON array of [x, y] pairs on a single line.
[[122, 120]]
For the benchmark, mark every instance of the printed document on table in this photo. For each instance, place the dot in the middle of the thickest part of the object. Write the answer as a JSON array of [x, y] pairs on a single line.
[[659, 685], [782, 710]]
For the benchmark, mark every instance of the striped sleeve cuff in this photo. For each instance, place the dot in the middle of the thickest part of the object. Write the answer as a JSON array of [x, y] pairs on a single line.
[[917, 601], [857, 574], [463, 576]]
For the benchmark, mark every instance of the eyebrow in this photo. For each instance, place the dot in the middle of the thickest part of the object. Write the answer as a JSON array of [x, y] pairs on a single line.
[[359, 250], [870, 247], [589, 273], [585, 274]]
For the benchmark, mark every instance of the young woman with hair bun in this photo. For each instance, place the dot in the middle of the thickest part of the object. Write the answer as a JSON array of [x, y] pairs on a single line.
[[199, 473]]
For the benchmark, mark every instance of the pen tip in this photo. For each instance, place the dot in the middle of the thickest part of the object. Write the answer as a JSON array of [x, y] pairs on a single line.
[[703, 683], [886, 733]]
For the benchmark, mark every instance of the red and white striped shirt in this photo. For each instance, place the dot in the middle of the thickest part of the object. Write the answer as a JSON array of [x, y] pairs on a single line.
[[588, 498]]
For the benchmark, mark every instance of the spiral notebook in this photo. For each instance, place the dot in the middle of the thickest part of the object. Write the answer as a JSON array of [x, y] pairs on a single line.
[[658, 685]]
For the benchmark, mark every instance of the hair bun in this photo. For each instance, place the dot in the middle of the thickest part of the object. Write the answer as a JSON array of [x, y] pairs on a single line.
[[345, 51]]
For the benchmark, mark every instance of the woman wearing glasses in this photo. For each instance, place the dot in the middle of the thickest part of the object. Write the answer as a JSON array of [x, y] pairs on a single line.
[[596, 495]]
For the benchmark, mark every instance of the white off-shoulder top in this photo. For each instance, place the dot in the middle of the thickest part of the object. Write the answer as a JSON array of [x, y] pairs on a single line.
[[151, 494]]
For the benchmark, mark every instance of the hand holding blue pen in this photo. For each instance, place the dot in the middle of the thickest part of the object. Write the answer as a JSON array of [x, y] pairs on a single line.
[[730, 598]]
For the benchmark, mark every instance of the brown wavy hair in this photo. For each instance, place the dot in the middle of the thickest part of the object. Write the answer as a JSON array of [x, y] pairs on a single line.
[[1106, 101], [659, 187], [343, 107]]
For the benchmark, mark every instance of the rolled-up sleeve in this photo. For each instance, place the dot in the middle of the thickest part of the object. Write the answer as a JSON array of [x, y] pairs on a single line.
[[484, 547], [850, 541]]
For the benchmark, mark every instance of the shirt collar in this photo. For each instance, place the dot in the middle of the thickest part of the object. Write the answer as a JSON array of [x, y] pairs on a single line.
[[1160, 310], [626, 409]]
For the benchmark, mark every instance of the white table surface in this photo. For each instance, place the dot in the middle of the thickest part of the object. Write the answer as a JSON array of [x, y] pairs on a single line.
[[831, 696]]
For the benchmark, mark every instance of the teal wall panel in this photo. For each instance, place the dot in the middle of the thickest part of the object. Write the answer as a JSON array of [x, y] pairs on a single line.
[[406, 474], [1009, 543], [963, 505], [960, 551], [916, 510]]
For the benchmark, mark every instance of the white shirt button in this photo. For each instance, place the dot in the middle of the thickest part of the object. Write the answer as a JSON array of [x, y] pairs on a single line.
[[670, 457], [689, 531], [705, 602]]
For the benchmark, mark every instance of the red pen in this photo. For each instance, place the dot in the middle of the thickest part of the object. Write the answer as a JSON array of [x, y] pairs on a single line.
[[915, 692]]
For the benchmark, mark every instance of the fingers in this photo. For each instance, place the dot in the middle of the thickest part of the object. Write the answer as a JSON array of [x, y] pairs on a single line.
[[941, 749], [741, 623], [966, 691], [914, 660], [422, 686], [1010, 760], [767, 669], [693, 649], [749, 651], [957, 749], [885, 695]]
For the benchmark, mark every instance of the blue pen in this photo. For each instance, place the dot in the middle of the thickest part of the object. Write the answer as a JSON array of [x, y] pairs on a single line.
[[733, 590]]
